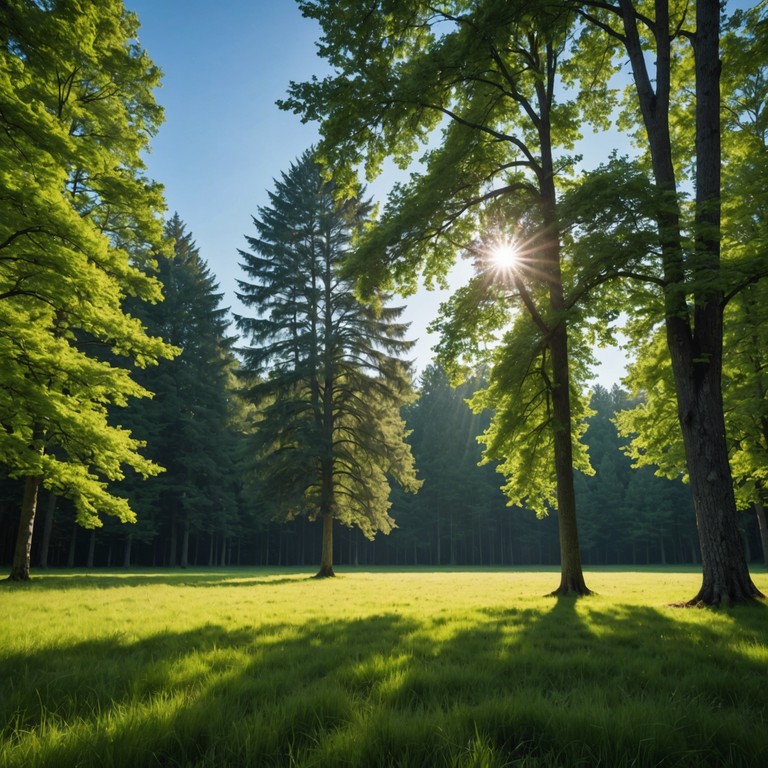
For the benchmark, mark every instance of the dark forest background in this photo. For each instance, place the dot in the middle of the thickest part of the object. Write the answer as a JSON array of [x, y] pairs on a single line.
[[459, 517]]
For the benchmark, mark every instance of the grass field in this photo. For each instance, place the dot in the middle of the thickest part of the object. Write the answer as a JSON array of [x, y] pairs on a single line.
[[377, 668]]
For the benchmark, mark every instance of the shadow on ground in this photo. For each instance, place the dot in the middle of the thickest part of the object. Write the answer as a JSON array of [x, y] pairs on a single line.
[[575, 684]]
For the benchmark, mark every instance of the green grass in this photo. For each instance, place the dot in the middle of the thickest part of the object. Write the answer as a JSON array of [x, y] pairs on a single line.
[[377, 668]]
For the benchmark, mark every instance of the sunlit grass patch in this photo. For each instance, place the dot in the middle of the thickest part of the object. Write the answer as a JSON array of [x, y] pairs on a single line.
[[461, 668]]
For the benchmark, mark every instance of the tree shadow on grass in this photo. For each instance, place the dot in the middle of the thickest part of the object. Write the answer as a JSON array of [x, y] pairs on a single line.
[[66, 580], [588, 684], [577, 683]]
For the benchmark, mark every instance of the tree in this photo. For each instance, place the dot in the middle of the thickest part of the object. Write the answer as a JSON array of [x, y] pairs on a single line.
[[693, 286], [488, 75], [78, 226], [457, 498], [325, 370], [188, 424]]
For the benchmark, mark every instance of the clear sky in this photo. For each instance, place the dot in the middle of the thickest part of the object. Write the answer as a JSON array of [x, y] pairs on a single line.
[[224, 140]]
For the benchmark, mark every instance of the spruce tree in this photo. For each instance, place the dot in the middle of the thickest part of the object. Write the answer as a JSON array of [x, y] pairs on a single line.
[[187, 423], [324, 370]]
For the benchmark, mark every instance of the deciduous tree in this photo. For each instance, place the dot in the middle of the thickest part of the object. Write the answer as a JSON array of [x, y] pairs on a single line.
[[674, 54], [487, 73], [78, 225]]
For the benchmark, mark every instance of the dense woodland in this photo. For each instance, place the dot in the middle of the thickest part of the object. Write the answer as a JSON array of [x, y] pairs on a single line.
[[459, 516], [141, 426]]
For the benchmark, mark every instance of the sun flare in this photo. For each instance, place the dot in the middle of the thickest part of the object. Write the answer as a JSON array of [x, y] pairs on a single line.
[[505, 255]]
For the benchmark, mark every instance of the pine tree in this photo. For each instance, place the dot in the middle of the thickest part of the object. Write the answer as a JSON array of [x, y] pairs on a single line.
[[324, 370]]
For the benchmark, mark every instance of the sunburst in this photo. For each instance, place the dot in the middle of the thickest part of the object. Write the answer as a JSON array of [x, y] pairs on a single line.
[[505, 255]]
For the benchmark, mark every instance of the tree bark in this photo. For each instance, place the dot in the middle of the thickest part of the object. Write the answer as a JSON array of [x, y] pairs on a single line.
[[127, 551], [763, 525], [326, 556], [700, 404], [571, 574], [72, 547], [47, 529], [21, 556], [185, 543], [91, 548], [172, 554], [694, 342]]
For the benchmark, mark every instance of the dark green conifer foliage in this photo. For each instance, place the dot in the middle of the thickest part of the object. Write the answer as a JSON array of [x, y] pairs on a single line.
[[325, 371], [188, 423], [629, 515], [459, 500]]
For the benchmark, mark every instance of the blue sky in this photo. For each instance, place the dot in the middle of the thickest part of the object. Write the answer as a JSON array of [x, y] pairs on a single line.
[[224, 140]]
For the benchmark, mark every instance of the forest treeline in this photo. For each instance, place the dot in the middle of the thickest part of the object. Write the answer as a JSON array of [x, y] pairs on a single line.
[[139, 426], [193, 517]]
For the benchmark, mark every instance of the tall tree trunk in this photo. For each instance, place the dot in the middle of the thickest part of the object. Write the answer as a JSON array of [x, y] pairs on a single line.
[[47, 529], [185, 543], [325, 419], [127, 551], [21, 556], [172, 555], [695, 343], [72, 546], [763, 525], [326, 556], [571, 575], [91, 548], [725, 571]]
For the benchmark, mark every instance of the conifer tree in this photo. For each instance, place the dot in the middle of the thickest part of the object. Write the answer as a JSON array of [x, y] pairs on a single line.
[[187, 424], [324, 370]]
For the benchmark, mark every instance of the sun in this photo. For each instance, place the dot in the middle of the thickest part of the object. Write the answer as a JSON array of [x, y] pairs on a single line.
[[505, 255]]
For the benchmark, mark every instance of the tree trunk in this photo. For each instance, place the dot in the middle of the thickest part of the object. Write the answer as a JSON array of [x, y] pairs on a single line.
[[172, 556], [72, 547], [185, 543], [695, 342], [763, 525], [700, 402], [47, 529], [127, 551], [326, 557], [91, 548], [725, 577], [571, 574], [21, 556]]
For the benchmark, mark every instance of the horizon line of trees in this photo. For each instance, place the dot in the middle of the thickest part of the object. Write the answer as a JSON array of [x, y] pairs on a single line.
[[458, 518]]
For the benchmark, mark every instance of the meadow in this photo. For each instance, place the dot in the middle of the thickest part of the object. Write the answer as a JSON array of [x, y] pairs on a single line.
[[378, 668]]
